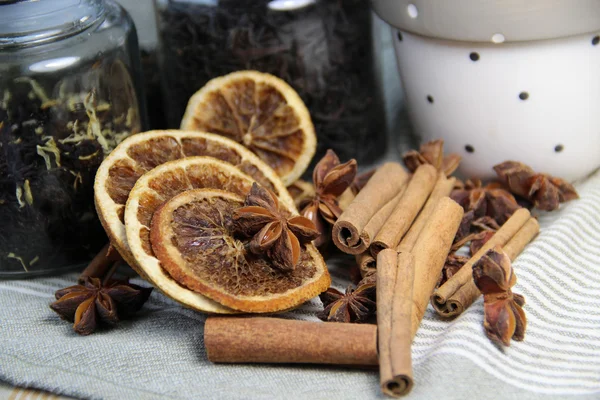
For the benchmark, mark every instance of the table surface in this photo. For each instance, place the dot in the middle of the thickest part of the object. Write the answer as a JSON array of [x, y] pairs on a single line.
[[437, 358]]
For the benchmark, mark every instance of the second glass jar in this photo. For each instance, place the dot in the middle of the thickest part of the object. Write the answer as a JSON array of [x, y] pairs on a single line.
[[323, 48]]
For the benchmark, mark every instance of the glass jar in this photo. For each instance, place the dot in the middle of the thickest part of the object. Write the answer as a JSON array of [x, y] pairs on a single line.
[[144, 18], [69, 93], [323, 48]]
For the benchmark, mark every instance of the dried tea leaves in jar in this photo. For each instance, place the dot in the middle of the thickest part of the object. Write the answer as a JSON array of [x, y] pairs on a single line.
[[54, 133], [323, 49]]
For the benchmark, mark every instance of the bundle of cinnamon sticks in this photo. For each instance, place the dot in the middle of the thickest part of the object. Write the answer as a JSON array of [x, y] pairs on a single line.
[[412, 236]]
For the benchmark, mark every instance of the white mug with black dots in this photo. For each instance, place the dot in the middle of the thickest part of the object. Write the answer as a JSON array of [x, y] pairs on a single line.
[[498, 81]]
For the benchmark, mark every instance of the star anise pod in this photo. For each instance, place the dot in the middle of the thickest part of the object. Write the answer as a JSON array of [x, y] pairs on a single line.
[[432, 153], [94, 303], [544, 191], [478, 242], [464, 229], [356, 305], [490, 200], [273, 233], [503, 316], [473, 230], [330, 179]]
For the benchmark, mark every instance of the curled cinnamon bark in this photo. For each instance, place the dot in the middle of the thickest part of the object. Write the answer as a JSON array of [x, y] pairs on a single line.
[[459, 292], [275, 340], [385, 184], [100, 264], [367, 264], [395, 277], [417, 191], [443, 187], [430, 252]]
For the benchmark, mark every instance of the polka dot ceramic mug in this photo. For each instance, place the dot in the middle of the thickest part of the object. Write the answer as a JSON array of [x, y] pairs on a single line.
[[499, 82]]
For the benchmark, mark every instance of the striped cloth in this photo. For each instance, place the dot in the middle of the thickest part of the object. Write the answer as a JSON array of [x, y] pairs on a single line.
[[160, 354]]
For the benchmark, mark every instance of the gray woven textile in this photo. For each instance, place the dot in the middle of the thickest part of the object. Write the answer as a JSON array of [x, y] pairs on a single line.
[[161, 355]]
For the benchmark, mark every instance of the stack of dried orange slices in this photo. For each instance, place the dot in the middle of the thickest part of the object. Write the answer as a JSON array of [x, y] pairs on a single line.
[[198, 180]]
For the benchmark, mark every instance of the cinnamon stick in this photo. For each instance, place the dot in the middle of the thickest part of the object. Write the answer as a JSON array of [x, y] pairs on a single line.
[[346, 198], [466, 295], [379, 190], [379, 219], [522, 238], [100, 264], [443, 187], [366, 263], [430, 253], [395, 277], [417, 191], [275, 340], [387, 261], [459, 292]]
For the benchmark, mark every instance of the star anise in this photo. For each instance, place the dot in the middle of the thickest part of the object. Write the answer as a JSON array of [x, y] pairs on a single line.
[[330, 179], [432, 153], [273, 232], [356, 305], [471, 229], [478, 242], [544, 191], [490, 200], [94, 303], [503, 316]]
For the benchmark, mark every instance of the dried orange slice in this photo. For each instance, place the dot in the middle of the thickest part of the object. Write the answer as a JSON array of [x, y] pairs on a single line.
[[192, 236], [160, 185], [140, 153], [260, 111]]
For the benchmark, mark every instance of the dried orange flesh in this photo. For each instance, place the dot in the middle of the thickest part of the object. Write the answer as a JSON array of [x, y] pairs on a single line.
[[260, 111], [140, 153], [160, 185], [193, 237]]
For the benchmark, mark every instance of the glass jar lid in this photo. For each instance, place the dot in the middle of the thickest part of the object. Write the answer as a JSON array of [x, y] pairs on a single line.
[[30, 22]]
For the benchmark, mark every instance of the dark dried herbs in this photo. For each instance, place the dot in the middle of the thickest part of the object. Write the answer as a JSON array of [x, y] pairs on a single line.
[[53, 136], [323, 51], [356, 305], [330, 179], [503, 316], [273, 233], [94, 303], [545, 192]]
